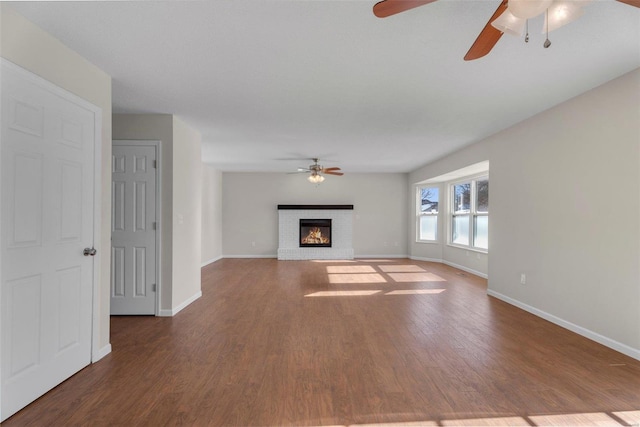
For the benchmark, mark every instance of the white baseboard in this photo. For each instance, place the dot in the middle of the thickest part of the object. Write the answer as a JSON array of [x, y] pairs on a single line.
[[467, 269], [250, 256], [211, 261], [177, 309], [101, 353], [601, 339], [378, 256], [418, 258], [454, 265]]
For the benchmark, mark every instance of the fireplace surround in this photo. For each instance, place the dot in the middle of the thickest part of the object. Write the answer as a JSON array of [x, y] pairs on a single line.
[[340, 245]]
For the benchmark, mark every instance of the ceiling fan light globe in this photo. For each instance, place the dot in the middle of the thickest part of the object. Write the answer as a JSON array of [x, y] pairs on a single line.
[[509, 23], [527, 9], [315, 178], [562, 13]]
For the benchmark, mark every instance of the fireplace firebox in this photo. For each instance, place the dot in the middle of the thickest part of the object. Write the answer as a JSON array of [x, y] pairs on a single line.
[[315, 233]]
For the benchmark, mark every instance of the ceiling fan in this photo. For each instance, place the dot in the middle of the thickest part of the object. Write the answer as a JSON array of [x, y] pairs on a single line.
[[490, 35], [316, 172]]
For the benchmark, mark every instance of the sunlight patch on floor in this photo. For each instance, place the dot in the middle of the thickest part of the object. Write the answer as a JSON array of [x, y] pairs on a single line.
[[415, 291], [350, 269], [356, 278], [335, 261], [401, 268], [578, 419], [630, 417], [416, 277], [593, 419], [341, 293], [401, 424], [499, 421]]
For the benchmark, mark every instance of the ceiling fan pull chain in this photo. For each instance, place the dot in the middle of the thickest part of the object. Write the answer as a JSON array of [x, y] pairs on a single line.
[[526, 37], [547, 42]]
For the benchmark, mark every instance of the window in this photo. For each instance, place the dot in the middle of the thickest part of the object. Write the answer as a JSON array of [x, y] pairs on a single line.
[[461, 210], [481, 217], [470, 213], [427, 224]]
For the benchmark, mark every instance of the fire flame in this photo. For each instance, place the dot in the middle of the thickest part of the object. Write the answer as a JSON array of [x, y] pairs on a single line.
[[315, 237]]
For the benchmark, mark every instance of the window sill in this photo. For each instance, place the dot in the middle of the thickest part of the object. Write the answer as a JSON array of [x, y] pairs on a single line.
[[429, 242], [468, 248]]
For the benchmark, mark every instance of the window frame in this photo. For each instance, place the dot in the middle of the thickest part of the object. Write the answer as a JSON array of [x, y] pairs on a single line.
[[472, 213], [420, 214]]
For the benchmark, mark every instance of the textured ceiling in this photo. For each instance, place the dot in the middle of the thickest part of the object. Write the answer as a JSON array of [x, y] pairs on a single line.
[[265, 81]]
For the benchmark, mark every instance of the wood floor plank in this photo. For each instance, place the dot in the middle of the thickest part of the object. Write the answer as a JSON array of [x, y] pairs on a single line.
[[256, 350]]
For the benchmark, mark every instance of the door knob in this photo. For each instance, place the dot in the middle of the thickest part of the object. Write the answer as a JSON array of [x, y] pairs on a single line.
[[89, 252]]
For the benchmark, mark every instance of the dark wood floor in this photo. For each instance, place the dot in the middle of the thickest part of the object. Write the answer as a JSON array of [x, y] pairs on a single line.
[[275, 343]]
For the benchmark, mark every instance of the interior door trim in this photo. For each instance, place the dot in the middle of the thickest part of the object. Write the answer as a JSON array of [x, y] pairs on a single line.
[[158, 145]]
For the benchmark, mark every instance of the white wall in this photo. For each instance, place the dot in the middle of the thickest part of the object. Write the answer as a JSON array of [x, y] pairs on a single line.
[[249, 210], [211, 214], [26, 45], [565, 203], [187, 214]]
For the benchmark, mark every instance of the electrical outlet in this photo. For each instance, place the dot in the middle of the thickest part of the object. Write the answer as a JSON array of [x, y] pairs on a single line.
[[523, 279], [253, 244]]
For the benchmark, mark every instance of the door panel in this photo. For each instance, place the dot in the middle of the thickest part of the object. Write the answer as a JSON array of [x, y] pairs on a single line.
[[70, 202], [133, 235], [23, 312], [47, 195]]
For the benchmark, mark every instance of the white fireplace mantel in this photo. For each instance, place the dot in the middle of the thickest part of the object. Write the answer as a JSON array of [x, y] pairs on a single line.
[[289, 217]]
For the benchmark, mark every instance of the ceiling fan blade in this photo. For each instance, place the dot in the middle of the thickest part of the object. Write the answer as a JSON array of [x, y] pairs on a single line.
[[331, 169], [635, 3], [333, 173], [386, 8], [488, 37]]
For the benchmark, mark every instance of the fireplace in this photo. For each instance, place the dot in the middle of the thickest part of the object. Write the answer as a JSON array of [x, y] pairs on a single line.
[[315, 233], [340, 241]]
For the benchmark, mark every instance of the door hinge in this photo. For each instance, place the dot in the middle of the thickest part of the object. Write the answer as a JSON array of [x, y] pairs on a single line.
[[155, 164], [153, 287], [154, 225]]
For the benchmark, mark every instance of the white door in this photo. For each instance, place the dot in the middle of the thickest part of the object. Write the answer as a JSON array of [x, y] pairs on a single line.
[[133, 229], [47, 199]]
